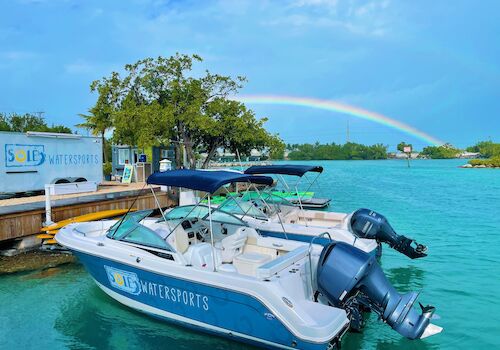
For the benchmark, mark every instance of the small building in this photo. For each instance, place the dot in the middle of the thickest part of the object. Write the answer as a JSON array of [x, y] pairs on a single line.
[[401, 155], [469, 155], [124, 154]]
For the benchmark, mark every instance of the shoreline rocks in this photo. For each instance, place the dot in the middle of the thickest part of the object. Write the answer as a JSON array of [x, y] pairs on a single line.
[[480, 166], [34, 260]]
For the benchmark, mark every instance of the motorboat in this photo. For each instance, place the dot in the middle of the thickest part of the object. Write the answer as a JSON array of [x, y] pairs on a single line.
[[359, 227], [207, 269], [304, 199], [268, 214]]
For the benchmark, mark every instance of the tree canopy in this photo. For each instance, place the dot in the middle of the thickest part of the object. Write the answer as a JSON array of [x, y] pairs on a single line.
[[486, 148], [402, 145], [333, 151], [445, 151], [161, 101], [28, 122]]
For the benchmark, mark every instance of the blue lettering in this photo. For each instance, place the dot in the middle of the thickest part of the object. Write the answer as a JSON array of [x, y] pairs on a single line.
[[11, 157], [144, 287]]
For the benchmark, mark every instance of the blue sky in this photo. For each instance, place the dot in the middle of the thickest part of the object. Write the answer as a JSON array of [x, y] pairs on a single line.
[[432, 64]]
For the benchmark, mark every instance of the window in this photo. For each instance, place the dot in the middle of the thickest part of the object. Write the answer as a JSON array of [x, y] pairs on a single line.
[[165, 153], [242, 208], [123, 156], [130, 230], [122, 227], [142, 235]]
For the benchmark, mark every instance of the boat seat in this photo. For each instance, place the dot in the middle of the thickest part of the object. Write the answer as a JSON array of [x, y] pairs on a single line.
[[281, 263], [231, 246], [247, 263], [180, 240], [200, 256]]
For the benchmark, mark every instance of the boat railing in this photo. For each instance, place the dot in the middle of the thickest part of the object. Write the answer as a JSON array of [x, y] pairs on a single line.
[[309, 253]]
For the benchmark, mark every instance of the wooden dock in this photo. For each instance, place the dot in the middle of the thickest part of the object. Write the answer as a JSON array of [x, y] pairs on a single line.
[[20, 217]]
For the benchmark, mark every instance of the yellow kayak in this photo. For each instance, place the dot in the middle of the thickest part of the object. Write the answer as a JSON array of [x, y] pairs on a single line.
[[50, 241], [45, 236], [105, 214]]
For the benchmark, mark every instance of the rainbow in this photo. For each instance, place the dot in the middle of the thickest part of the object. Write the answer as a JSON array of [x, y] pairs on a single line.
[[340, 108]]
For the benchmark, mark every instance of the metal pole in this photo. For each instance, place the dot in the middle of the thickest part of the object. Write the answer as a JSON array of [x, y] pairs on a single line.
[[211, 232], [48, 208], [277, 211], [158, 203], [300, 204]]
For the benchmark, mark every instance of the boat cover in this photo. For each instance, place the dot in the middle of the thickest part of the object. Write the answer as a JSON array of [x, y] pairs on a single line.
[[207, 181], [285, 169]]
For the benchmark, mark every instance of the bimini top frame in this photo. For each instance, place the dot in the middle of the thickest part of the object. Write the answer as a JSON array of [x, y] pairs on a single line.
[[285, 169], [288, 169], [206, 181]]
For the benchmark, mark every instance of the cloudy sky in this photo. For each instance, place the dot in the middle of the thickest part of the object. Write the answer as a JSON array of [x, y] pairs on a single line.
[[434, 65]]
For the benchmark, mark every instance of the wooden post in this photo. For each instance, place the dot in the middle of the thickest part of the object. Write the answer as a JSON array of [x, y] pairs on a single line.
[[407, 150]]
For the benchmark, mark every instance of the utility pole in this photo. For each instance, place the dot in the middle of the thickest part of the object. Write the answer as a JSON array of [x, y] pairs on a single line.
[[39, 114], [347, 132]]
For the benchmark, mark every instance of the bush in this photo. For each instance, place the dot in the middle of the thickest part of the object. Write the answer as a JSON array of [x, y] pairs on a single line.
[[492, 162], [107, 168]]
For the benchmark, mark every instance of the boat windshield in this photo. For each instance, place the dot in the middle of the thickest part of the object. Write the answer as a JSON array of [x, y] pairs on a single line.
[[201, 212], [130, 230], [238, 206], [275, 197]]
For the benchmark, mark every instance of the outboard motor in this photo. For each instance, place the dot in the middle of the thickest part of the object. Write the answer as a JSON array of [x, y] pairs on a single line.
[[366, 223], [347, 276]]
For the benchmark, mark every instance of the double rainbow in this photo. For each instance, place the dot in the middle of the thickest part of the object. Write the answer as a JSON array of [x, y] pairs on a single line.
[[340, 108]]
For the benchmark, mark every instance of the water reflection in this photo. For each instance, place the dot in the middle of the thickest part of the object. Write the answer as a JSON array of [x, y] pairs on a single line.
[[91, 319], [406, 279]]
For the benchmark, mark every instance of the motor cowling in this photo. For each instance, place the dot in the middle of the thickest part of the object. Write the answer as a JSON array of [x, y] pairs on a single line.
[[366, 223], [346, 274]]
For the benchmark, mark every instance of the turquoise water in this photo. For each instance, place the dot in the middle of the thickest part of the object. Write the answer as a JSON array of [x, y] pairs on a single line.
[[456, 212]]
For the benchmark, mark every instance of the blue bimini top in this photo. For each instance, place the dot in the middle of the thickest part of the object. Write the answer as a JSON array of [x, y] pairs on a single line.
[[207, 181], [285, 169]]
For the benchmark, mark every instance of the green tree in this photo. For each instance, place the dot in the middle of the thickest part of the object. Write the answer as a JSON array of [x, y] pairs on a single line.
[[445, 151], [349, 150], [402, 145], [29, 122], [159, 101], [4, 123], [486, 148], [100, 117]]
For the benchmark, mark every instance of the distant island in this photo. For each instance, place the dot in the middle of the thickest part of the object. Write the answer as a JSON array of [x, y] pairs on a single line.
[[484, 153], [487, 149]]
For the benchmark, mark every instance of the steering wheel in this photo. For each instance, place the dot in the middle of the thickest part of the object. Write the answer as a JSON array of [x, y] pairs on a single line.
[[203, 232]]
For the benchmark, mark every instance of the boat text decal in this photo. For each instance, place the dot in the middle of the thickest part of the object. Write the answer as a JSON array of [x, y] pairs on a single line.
[[129, 282]]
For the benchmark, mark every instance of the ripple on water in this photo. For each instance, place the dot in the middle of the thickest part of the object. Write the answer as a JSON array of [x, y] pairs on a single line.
[[454, 211]]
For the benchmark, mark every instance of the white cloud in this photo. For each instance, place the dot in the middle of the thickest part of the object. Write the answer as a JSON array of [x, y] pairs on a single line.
[[368, 18]]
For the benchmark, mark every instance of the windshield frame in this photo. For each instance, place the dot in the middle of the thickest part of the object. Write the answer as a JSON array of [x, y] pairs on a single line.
[[204, 216], [135, 223]]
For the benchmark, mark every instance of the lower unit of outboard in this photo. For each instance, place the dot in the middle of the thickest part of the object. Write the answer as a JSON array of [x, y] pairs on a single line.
[[366, 223], [350, 278]]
